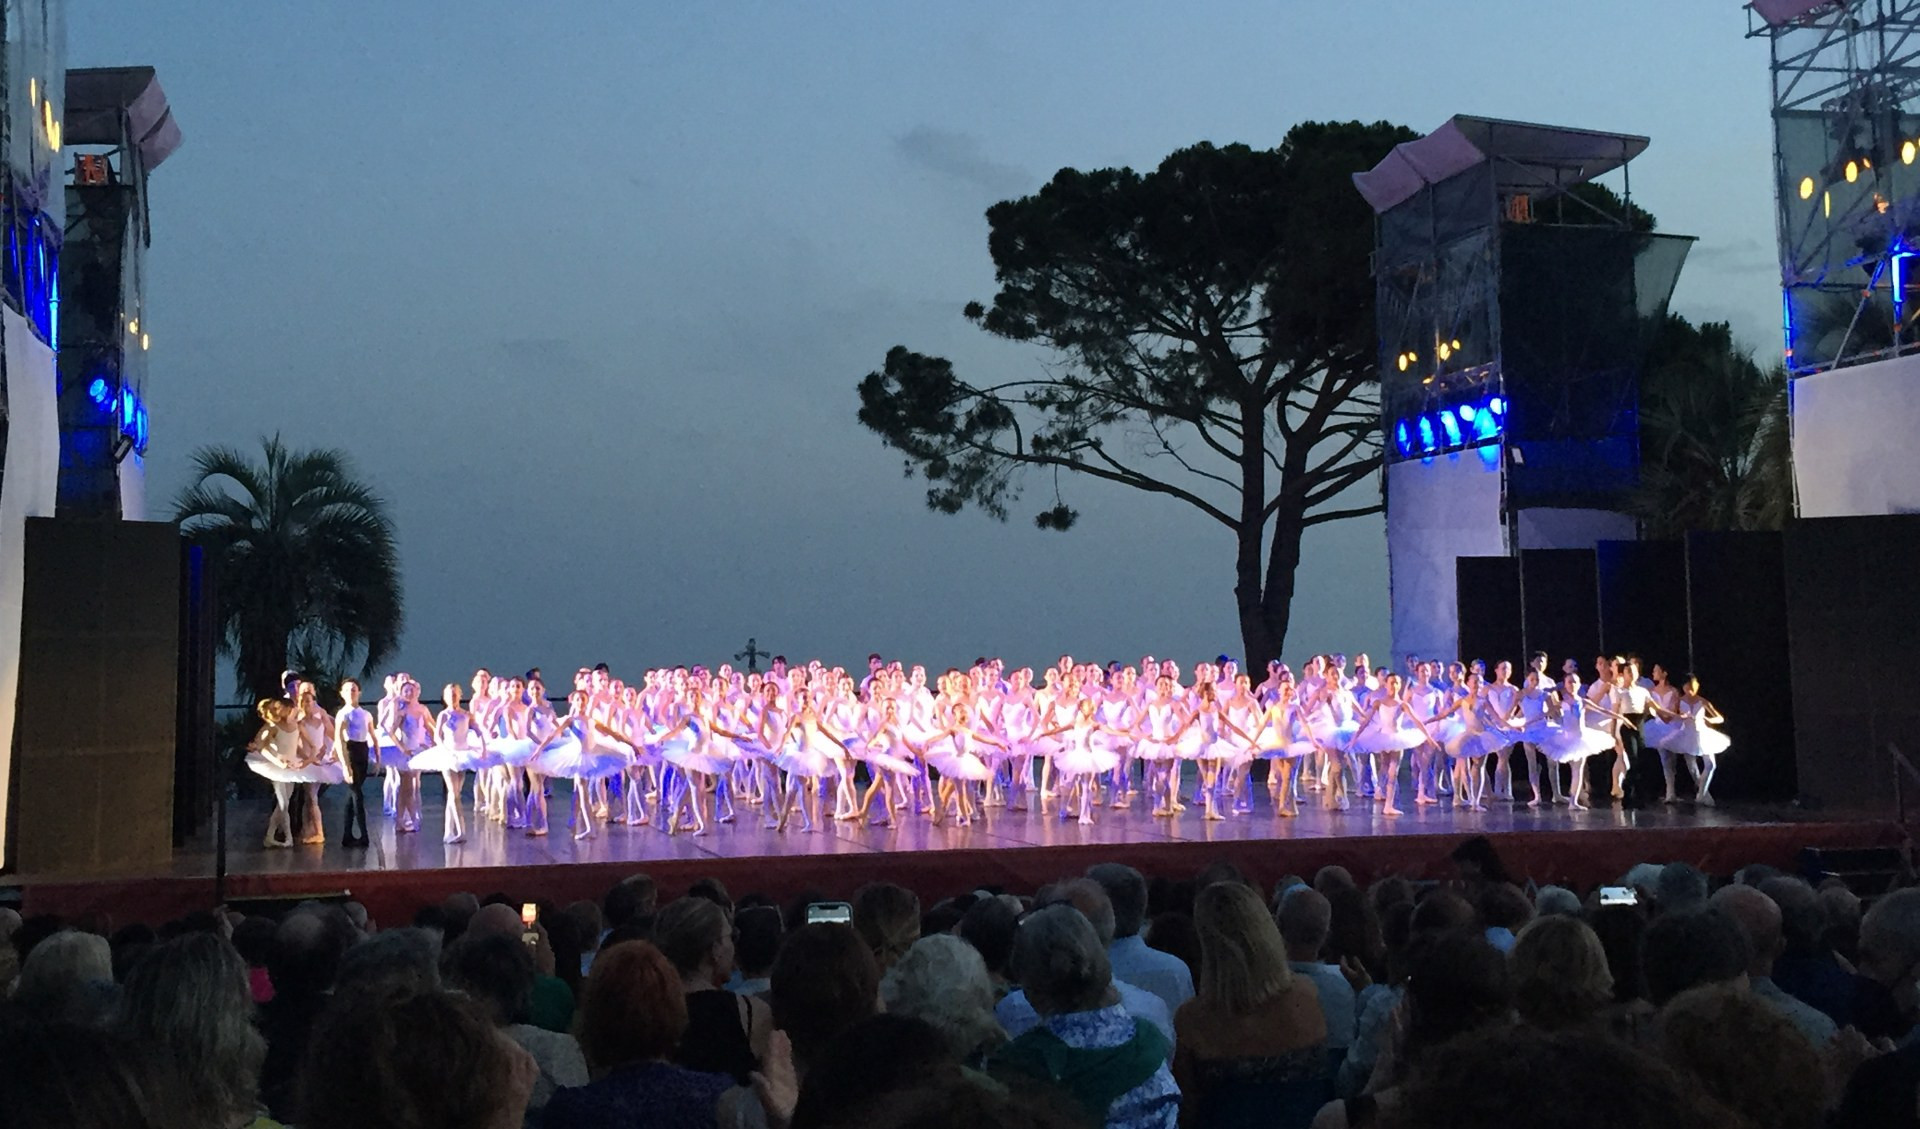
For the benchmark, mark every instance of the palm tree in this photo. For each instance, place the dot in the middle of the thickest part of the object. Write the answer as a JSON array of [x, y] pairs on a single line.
[[1714, 450], [307, 573]]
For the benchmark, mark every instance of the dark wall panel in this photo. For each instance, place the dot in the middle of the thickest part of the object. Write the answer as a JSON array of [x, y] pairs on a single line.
[[1853, 614], [1489, 607], [1560, 605], [1643, 602], [1736, 595], [99, 690]]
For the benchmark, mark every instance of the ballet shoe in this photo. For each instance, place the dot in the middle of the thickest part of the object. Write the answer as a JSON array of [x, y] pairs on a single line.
[[1214, 816], [452, 839], [1086, 821], [1392, 812], [536, 832], [1704, 800], [1534, 803], [312, 839]]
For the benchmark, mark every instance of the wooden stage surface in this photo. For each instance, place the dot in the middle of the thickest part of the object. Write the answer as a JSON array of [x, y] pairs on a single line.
[[1007, 849]]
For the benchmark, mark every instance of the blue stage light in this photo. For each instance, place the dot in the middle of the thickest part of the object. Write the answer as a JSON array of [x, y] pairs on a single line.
[[140, 429], [1466, 413], [1427, 440], [99, 390], [1497, 406], [127, 406], [1489, 454], [1401, 439], [1452, 427]]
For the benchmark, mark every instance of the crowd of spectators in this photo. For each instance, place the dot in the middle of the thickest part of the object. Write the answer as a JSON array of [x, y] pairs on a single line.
[[1754, 1001]]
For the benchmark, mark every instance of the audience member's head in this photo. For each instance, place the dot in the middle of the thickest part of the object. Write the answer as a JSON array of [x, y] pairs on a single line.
[[988, 926], [1559, 971], [1680, 887], [1089, 898], [823, 982], [1441, 911], [887, 917], [1617, 1086], [396, 962], [1889, 945], [1690, 949], [67, 977], [1330, 878], [1458, 983], [879, 1057], [633, 1008], [758, 929], [1746, 1054], [1385, 893], [1759, 918], [1801, 920], [57, 1075], [1305, 918], [633, 896], [1219, 870], [714, 891], [943, 980], [1556, 900], [1502, 905], [1841, 908], [1353, 931], [307, 949], [1479, 862], [189, 997], [1127, 889], [1243, 961], [496, 972], [457, 912], [1062, 963], [429, 1058], [1623, 934], [695, 935]]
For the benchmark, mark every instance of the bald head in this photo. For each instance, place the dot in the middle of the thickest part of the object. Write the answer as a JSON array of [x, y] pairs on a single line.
[[497, 920], [1759, 918]]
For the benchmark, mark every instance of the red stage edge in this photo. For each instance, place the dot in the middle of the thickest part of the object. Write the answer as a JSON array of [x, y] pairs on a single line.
[[1579, 859]]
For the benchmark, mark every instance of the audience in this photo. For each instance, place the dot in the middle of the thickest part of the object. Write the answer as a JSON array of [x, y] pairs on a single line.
[[1109, 1064], [1771, 1004], [726, 1032], [943, 981], [1250, 1047]]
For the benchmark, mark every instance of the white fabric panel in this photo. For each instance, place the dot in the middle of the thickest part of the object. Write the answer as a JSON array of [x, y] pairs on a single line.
[[1856, 440], [1543, 527], [133, 488], [28, 485], [1438, 509]]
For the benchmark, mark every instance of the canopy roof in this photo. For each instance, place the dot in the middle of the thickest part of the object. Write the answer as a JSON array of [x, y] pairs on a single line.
[[1536, 159], [1777, 12], [120, 106]]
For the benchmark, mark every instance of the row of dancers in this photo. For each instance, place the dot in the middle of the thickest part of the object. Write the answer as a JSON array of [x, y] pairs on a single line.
[[687, 747]]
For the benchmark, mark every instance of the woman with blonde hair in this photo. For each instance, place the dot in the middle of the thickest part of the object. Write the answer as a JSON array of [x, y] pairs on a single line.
[[1559, 974], [1250, 1046]]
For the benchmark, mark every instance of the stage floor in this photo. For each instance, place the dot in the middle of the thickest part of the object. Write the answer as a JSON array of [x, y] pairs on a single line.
[[1016, 850]]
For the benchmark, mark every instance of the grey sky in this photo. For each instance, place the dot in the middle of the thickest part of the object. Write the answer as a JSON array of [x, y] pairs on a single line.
[[586, 296]]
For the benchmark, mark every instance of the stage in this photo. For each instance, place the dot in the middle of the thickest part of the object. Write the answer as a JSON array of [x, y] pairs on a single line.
[[1016, 851]]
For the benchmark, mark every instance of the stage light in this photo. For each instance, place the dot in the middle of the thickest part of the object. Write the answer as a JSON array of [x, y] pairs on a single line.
[[1497, 406], [99, 390], [1445, 350], [133, 325], [1452, 427], [1853, 171], [140, 430], [1489, 454], [1908, 151], [145, 341], [1427, 440], [1826, 204], [1806, 188], [1485, 426], [1466, 413], [1401, 439], [127, 406], [1401, 360], [1456, 344]]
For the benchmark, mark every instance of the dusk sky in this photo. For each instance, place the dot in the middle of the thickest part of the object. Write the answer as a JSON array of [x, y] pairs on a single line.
[[586, 296]]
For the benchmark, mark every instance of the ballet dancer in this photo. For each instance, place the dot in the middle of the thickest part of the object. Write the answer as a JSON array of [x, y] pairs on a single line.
[[1696, 739], [353, 734], [1388, 728]]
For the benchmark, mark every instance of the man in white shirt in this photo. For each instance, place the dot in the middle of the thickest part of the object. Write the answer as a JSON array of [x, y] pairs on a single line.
[[1305, 919], [1018, 1016], [1759, 918], [1163, 974]]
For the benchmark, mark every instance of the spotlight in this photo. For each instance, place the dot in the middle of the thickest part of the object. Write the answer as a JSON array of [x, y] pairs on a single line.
[[1427, 440], [1456, 344], [1497, 406], [99, 390], [1826, 204], [146, 341], [1853, 171], [1445, 350], [127, 406], [1401, 360], [1452, 428], [1806, 183], [1401, 439], [1466, 412], [1908, 151], [1490, 454]]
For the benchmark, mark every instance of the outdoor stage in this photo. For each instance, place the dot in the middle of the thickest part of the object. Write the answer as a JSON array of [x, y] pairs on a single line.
[[1016, 851]]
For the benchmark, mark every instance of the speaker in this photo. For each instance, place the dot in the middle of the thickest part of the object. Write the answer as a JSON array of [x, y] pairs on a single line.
[[1643, 602], [1488, 593], [1737, 622], [1560, 605], [195, 771], [1852, 600], [99, 697]]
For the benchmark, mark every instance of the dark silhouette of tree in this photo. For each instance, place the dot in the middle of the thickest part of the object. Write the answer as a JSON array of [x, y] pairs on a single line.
[[308, 574], [1212, 330]]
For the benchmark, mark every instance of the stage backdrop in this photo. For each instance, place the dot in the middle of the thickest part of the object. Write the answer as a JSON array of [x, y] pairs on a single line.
[[1852, 603], [1856, 439], [28, 484], [1438, 510], [1737, 616]]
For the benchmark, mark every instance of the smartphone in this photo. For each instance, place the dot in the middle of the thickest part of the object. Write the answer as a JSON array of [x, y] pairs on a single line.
[[529, 913], [837, 913], [1619, 896]]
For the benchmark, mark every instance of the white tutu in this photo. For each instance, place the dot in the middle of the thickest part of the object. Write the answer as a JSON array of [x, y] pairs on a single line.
[[394, 757], [567, 757], [1080, 759], [1656, 732], [1698, 739], [955, 763], [324, 772], [452, 758], [513, 752], [1566, 743], [882, 759], [818, 757], [1154, 749], [1484, 743], [1378, 738]]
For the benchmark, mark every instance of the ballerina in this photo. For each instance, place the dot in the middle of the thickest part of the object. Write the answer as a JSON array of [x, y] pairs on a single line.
[[1502, 701], [274, 753], [316, 747], [353, 733], [1388, 728], [1428, 703], [1279, 738], [1534, 691], [1217, 743], [885, 749], [459, 747], [388, 753], [808, 754], [1567, 738], [1697, 740], [1081, 760], [1482, 733], [1663, 722], [574, 749], [952, 753], [1329, 725]]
